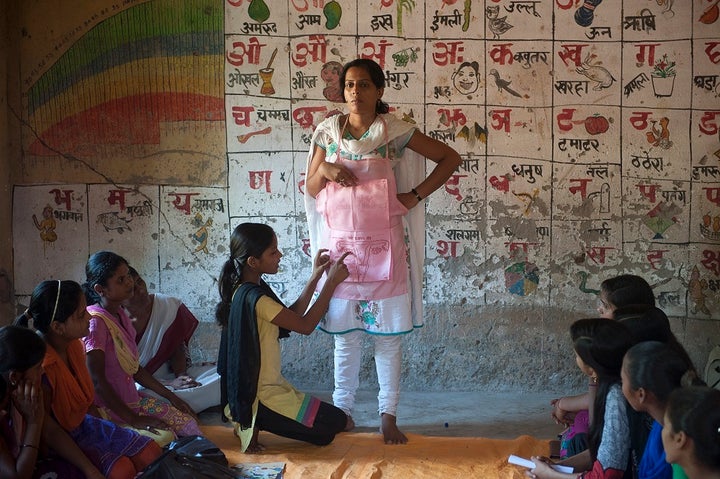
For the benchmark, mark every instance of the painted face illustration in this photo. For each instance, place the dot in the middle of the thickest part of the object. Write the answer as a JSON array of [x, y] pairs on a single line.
[[330, 74], [465, 78]]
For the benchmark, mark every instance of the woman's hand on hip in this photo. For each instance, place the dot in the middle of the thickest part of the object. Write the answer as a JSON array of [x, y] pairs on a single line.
[[408, 200]]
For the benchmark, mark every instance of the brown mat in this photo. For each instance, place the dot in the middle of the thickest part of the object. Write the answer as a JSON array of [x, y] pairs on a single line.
[[363, 455]]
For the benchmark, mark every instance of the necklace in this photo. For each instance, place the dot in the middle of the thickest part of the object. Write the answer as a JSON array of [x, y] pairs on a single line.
[[357, 132]]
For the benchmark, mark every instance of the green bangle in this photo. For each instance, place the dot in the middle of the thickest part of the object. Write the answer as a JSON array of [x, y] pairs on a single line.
[[417, 195]]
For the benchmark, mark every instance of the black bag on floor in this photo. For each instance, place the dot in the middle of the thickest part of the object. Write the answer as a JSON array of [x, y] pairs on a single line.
[[190, 458], [198, 446]]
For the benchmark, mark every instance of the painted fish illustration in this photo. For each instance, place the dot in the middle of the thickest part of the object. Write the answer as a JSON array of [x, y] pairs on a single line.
[[113, 221]]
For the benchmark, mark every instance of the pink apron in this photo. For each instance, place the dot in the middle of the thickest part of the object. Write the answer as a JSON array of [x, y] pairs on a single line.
[[366, 220]]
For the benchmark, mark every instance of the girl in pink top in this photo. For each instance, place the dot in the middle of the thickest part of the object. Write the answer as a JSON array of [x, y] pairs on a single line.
[[112, 356]]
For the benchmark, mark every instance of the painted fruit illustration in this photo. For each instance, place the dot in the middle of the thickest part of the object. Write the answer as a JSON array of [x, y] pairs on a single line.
[[332, 12], [596, 124], [258, 11]]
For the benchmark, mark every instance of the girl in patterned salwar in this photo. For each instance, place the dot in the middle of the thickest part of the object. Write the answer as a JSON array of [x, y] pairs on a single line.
[[253, 319], [599, 349], [112, 358], [365, 182], [57, 310]]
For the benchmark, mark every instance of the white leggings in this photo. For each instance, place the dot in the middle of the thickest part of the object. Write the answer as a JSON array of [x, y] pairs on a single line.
[[388, 358]]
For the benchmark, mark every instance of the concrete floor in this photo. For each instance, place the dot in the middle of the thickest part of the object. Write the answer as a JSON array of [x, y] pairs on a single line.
[[462, 414]]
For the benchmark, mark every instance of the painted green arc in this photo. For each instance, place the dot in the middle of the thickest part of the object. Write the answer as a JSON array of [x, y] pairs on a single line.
[[154, 29]]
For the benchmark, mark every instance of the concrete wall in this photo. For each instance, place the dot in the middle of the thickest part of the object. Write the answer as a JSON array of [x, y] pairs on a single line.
[[144, 129], [7, 155]]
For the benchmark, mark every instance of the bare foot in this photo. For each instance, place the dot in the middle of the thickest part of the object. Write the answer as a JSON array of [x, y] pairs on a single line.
[[254, 447], [350, 424], [390, 431]]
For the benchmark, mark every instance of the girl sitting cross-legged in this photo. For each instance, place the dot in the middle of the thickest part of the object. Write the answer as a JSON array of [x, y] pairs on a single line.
[[112, 358]]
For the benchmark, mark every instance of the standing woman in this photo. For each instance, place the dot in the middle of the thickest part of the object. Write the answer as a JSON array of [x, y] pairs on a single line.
[[691, 432], [253, 320], [365, 180], [112, 357], [57, 309]]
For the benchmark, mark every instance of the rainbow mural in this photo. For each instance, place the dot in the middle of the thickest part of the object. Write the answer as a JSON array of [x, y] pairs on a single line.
[[157, 62]]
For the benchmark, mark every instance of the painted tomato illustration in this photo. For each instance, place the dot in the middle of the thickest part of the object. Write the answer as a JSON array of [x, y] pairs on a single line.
[[596, 124]]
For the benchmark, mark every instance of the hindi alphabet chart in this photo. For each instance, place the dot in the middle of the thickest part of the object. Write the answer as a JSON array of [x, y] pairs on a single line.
[[589, 134], [590, 146]]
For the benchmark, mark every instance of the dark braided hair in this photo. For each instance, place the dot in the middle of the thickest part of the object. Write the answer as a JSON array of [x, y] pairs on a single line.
[[247, 239], [51, 301], [656, 367], [99, 269]]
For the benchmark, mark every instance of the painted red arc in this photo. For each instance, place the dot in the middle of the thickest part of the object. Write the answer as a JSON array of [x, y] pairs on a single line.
[[130, 120]]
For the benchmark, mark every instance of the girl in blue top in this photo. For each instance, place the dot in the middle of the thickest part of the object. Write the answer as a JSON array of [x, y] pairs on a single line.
[[651, 371]]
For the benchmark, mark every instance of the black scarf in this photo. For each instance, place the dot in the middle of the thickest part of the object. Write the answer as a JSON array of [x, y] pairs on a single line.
[[239, 356]]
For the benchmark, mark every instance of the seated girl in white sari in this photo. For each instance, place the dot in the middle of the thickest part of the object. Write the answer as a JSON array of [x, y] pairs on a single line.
[[164, 326]]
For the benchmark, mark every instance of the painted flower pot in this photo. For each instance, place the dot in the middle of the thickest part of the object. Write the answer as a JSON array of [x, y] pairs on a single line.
[[663, 86]]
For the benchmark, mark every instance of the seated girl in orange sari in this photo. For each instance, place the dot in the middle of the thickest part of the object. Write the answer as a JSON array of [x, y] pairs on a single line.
[[57, 309]]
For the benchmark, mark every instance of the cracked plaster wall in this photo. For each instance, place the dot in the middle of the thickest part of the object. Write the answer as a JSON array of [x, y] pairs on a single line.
[[477, 334]]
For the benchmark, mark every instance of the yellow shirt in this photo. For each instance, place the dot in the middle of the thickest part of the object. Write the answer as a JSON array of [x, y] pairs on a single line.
[[274, 391]]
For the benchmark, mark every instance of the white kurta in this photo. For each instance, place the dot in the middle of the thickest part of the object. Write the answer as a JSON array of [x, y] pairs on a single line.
[[398, 314]]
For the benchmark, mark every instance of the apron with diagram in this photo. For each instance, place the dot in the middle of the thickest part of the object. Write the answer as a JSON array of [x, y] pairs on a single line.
[[366, 220]]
